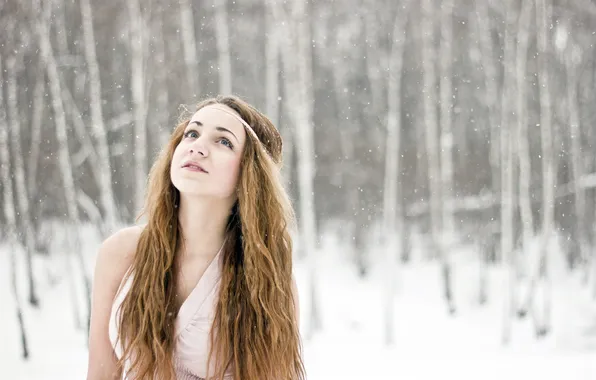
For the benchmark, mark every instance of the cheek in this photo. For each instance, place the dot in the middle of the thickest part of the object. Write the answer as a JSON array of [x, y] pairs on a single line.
[[232, 169]]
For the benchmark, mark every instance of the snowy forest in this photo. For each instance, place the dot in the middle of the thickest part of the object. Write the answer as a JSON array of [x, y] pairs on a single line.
[[440, 156]]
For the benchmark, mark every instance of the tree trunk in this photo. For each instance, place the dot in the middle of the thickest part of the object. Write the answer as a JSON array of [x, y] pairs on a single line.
[[507, 169], [392, 193], [47, 56], [272, 92], [137, 52], [523, 149], [375, 54], [223, 47], [36, 119], [525, 170], [432, 146], [19, 173], [37, 114], [10, 218], [543, 21], [483, 26], [272, 50], [297, 64], [446, 103], [305, 141], [189, 47], [348, 181], [103, 167], [577, 160], [446, 145], [162, 123]]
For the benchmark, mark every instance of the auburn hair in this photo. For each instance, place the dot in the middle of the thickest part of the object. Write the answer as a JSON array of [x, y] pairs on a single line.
[[255, 329]]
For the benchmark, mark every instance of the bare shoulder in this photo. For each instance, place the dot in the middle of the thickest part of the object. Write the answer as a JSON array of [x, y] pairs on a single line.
[[113, 260], [122, 242], [117, 251]]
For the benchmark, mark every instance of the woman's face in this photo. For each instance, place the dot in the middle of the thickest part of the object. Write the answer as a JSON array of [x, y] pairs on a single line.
[[207, 160]]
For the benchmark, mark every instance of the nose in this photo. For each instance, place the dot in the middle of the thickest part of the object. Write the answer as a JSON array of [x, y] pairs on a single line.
[[199, 147]]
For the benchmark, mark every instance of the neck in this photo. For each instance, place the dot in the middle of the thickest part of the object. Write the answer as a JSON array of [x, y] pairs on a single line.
[[203, 224]]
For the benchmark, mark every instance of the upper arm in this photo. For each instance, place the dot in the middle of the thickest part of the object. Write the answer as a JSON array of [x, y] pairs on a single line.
[[113, 259]]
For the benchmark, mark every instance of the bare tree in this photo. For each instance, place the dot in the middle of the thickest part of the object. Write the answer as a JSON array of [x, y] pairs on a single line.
[[375, 57], [137, 60], [223, 47], [272, 68], [572, 56], [446, 103], [507, 167], [392, 192], [10, 218], [22, 194], [47, 56], [272, 90], [296, 60], [432, 146], [305, 143], [36, 120], [543, 21], [523, 147], [161, 79], [446, 145], [189, 46], [483, 26], [347, 141], [103, 166]]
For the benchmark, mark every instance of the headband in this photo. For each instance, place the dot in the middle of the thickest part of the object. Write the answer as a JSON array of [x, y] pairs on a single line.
[[248, 127]]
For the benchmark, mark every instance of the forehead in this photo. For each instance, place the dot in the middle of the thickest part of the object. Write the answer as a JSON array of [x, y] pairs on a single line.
[[219, 115]]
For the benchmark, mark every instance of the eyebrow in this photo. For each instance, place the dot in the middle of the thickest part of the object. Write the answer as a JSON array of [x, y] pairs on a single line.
[[217, 127]]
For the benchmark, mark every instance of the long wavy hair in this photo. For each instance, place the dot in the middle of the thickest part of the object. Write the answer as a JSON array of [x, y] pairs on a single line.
[[255, 330]]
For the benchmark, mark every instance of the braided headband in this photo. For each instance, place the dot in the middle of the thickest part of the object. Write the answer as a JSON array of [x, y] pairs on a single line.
[[248, 127]]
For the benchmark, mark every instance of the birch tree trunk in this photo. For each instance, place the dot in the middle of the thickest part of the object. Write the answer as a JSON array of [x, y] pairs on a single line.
[[223, 47], [272, 91], [272, 51], [88, 150], [392, 193], [346, 136], [507, 168], [298, 91], [47, 56], [523, 147], [10, 218], [161, 76], [36, 117], [571, 61], [432, 146], [189, 47], [306, 158], [446, 146], [374, 57], [37, 114], [104, 168], [19, 173], [543, 20], [483, 26], [446, 103], [137, 53]]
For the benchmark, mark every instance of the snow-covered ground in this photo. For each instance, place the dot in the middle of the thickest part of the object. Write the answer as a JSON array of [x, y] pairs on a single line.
[[428, 343]]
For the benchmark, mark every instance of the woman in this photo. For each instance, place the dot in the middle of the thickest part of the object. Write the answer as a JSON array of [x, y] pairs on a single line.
[[205, 288]]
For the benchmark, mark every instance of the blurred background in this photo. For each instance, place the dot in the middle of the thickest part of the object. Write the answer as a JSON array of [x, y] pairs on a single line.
[[440, 156]]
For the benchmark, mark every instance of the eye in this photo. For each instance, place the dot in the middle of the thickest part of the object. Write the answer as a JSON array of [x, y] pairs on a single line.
[[226, 142], [192, 134]]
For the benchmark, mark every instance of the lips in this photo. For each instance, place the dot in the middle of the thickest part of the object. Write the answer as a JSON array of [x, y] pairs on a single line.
[[193, 166]]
